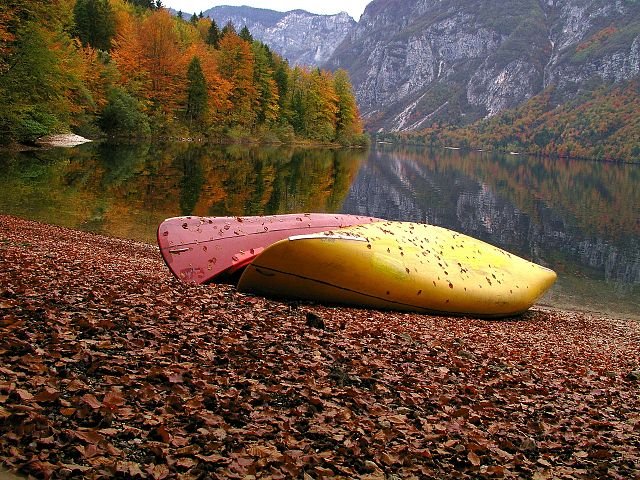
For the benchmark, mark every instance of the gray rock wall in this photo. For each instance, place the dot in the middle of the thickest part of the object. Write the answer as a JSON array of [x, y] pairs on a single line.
[[419, 61], [301, 37]]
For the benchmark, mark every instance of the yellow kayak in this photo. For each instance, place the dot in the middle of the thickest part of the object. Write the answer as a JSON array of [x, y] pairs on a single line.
[[399, 266]]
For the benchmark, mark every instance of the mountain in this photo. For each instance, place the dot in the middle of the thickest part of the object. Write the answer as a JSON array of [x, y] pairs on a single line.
[[414, 63], [301, 37]]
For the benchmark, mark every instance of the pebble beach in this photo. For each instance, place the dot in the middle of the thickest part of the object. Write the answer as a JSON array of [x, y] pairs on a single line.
[[110, 367]]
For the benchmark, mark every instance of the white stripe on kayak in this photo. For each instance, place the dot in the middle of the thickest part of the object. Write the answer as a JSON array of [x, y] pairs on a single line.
[[327, 236]]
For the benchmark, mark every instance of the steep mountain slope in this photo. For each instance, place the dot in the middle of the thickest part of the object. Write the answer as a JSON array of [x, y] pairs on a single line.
[[301, 37], [414, 63], [603, 124]]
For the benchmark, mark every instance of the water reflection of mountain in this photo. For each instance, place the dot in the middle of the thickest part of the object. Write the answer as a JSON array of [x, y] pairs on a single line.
[[474, 196]]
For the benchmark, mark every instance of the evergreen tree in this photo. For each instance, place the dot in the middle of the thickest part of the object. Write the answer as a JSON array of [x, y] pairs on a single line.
[[281, 77], [228, 28], [147, 4], [298, 113], [213, 35], [246, 35], [267, 103], [123, 115], [180, 14], [297, 100], [95, 23], [194, 19], [196, 92]]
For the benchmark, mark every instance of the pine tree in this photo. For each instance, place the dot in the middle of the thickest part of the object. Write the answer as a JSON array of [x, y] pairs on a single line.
[[245, 34], [196, 92], [147, 4], [213, 35], [281, 77], [227, 29], [267, 103], [95, 23]]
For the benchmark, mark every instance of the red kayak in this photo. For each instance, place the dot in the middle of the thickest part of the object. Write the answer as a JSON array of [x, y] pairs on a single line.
[[201, 249]]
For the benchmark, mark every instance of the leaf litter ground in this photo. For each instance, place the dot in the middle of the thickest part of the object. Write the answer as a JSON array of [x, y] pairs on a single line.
[[109, 367]]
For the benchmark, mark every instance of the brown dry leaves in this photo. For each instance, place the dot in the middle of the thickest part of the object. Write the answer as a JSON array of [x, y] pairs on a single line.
[[109, 367]]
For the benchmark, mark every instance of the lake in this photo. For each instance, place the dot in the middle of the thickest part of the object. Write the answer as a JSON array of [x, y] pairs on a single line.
[[580, 218]]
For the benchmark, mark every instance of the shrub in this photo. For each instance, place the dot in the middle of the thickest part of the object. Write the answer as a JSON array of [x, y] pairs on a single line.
[[123, 116]]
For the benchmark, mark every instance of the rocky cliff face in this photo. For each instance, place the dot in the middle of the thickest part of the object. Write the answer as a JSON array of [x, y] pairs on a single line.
[[417, 62], [414, 63], [301, 37]]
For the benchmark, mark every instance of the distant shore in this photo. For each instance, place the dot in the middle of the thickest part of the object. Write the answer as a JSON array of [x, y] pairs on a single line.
[[111, 367]]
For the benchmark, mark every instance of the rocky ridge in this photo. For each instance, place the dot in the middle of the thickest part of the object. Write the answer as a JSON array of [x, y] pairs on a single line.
[[420, 62], [301, 37]]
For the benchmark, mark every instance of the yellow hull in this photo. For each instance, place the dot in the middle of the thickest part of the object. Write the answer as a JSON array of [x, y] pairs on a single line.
[[400, 266]]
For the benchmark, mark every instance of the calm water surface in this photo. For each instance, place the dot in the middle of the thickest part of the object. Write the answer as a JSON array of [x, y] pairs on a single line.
[[580, 218]]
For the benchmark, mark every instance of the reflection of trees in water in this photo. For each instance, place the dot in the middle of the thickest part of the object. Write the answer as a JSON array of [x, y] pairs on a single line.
[[192, 180], [285, 181], [127, 190]]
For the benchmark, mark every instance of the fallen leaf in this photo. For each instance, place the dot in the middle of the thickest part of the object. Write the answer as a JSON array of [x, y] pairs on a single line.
[[474, 459], [92, 401], [89, 436]]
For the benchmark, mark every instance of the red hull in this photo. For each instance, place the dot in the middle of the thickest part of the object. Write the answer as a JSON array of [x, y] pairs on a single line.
[[199, 249]]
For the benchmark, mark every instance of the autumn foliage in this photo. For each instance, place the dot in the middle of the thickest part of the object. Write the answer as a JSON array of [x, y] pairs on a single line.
[[134, 72], [109, 367], [603, 124]]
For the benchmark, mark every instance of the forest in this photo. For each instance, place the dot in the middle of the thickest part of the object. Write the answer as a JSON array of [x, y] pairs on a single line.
[[601, 123], [129, 68]]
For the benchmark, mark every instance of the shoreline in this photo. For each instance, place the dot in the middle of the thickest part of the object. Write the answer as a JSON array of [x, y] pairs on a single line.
[[70, 140], [110, 366]]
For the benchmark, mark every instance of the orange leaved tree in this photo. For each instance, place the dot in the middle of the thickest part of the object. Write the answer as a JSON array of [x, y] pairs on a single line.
[[236, 65]]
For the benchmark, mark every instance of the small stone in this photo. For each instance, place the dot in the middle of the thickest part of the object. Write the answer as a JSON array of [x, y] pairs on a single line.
[[634, 375], [371, 466], [315, 321], [466, 354], [406, 337]]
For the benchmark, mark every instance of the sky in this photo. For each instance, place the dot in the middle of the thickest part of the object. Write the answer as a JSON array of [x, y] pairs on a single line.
[[352, 7]]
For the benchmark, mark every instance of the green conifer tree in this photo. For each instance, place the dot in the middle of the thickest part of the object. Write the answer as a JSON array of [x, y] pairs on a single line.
[[213, 35], [95, 23], [228, 28], [245, 34], [196, 92]]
